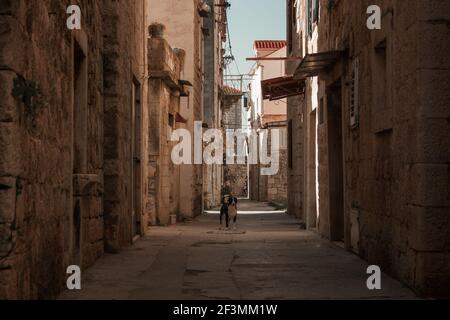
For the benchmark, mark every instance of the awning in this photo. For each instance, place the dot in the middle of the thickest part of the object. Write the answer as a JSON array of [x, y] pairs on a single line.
[[283, 87], [312, 64]]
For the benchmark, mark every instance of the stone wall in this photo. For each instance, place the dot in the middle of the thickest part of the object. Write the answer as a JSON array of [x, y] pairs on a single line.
[[124, 60], [49, 217], [213, 81], [235, 175], [236, 178], [183, 30], [295, 158], [197, 95], [59, 149], [165, 69], [277, 184], [295, 110], [396, 161], [274, 187]]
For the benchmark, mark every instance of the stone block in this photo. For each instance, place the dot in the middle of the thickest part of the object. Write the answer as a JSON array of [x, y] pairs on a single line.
[[430, 185], [7, 102], [10, 149], [8, 7], [13, 44], [429, 228], [433, 143], [433, 44], [434, 93], [433, 274], [7, 200], [436, 10], [8, 278], [6, 240]]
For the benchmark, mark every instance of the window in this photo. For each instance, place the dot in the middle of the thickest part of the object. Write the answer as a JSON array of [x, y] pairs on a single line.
[[80, 98], [312, 12], [354, 94], [321, 115], [298, 15], [382, 113], [136, 152], [309, 17], [291, 25], [315, 11], [380, 67], [137, 118]]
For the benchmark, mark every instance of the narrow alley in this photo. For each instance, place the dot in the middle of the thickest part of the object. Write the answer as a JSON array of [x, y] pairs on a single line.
[[130, 129], [269, 256]]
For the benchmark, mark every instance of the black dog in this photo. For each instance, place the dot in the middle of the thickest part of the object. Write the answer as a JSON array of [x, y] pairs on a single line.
[[228, 201]]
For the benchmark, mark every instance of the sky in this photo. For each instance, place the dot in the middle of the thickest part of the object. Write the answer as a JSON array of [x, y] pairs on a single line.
[[251, 20]]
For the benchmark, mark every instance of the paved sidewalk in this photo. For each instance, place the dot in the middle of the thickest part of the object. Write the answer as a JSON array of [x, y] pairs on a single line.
[[268, 257]]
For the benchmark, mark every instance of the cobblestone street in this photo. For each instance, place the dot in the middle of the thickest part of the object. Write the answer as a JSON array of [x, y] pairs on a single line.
[[268, 257]]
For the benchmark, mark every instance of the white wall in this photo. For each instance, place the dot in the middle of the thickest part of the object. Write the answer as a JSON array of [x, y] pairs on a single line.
[[268, 69]]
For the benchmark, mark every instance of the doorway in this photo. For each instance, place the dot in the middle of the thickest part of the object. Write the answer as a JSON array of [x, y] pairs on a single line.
[[79, 142], [336, 163], [311, 173], [136, 161]]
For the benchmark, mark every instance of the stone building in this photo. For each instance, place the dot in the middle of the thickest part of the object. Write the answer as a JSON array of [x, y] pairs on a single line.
[[85, 119], [370, 133], [235, 176], [273, 187], [166, 89], [184, 21], [268, 114], [68, 127], [124, 55], [214, 31]]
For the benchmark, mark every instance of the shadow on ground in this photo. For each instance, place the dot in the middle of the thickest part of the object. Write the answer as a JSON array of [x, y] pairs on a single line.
[[268, 257]]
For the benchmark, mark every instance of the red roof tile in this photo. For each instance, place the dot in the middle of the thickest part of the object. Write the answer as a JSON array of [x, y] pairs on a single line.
[[270, 44]]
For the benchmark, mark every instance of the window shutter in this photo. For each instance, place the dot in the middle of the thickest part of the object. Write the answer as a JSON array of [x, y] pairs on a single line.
[[354, 94], [298, 16], [315, 10]]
